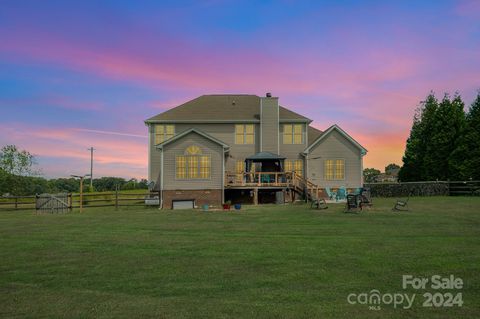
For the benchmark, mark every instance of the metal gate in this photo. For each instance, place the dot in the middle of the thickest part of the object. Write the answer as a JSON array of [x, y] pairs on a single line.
[[52, 203]]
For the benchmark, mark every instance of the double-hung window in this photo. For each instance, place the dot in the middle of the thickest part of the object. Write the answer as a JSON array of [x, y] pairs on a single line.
[[293, 133], [240, 167], [163, 132], [294, 166], [244, 134], [334, 169]]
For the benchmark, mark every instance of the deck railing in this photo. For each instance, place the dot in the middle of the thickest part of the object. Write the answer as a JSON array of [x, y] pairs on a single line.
[[258, 179]]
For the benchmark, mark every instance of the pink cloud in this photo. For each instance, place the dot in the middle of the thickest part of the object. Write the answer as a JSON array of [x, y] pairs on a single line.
[[376, 86], [70, 145], [203, 69]]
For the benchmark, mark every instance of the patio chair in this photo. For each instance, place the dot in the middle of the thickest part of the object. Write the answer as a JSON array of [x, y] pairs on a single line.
[[341, 193], [265, 179], [401, 204], [319, 204], [366, 198], [358, 191], [353, 205], [331, 195]]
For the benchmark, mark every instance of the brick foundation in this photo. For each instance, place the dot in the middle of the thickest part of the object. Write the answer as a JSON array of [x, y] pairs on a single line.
[[212, 197]]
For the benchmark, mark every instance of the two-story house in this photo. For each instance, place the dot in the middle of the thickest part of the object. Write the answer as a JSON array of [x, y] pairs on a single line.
[[245, 148]]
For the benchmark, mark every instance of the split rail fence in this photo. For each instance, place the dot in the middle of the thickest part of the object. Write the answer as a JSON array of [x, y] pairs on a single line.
[[66, 202]]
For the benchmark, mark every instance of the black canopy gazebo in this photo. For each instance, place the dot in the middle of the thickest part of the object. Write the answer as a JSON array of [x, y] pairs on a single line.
[[269, 162]]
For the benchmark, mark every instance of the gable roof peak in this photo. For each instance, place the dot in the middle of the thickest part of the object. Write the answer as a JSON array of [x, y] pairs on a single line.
[[342, 132], [192, 130]]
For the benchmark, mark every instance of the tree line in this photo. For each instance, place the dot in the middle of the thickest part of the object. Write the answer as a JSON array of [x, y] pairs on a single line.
[[18, 177], [444, 141], [30, 185]]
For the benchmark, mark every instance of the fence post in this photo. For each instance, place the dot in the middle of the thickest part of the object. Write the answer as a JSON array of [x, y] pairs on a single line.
[[116, 197], [70, 201], [36, 203], [16, 203]]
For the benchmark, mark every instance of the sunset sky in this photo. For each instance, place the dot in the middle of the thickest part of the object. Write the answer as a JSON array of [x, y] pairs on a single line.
[[88, 73]]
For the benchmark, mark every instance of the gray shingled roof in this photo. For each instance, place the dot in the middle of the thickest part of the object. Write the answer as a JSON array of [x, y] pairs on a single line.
[[214, 107], [313, 134]]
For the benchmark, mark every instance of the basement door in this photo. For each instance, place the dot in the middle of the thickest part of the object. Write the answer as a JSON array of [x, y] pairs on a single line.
[[183, 204]]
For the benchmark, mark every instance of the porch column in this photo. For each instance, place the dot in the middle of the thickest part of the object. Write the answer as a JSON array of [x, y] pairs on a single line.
[[255, 196]]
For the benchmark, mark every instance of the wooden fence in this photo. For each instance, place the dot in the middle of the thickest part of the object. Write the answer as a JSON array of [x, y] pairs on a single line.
[[429, 188], [464, 188], [111, 199]]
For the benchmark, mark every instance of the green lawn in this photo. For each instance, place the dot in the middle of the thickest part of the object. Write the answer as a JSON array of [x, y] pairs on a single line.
[[265, 262]]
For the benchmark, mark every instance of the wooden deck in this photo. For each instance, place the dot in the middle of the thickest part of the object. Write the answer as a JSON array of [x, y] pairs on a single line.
[[294, 183], [258, 179]]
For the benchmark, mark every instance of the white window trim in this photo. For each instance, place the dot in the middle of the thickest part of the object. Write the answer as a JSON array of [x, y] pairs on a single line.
[[293, 134], [244, 134]]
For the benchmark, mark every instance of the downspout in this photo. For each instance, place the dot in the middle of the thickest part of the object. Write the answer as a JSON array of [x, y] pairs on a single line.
[[361, 168], [161, 178], [149, 154], [223, 176], [306, 155], [306, 166]]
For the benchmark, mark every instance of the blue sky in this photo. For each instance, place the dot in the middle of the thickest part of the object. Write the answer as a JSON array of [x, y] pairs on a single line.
[[73, 74]]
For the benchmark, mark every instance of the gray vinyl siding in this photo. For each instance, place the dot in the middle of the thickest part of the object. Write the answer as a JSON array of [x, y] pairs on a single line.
[[293, 151], [155, 158], [226, 133], [269, 125], [335, 146], [212, 149]]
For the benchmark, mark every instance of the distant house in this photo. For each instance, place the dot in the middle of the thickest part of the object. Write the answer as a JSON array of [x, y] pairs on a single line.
[[385, 178], [246, 148], [390, 177]]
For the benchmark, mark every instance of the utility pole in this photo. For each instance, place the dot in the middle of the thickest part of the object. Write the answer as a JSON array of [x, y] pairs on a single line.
[[91, 149]]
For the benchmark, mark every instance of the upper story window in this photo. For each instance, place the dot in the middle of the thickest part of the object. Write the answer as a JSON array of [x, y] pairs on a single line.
[[193, 164], [334, 169], [244, 134], [163, 132], [292, 133]]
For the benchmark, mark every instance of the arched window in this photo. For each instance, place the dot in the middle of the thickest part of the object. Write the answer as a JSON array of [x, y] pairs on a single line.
[[193, 164], [193, 150]]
